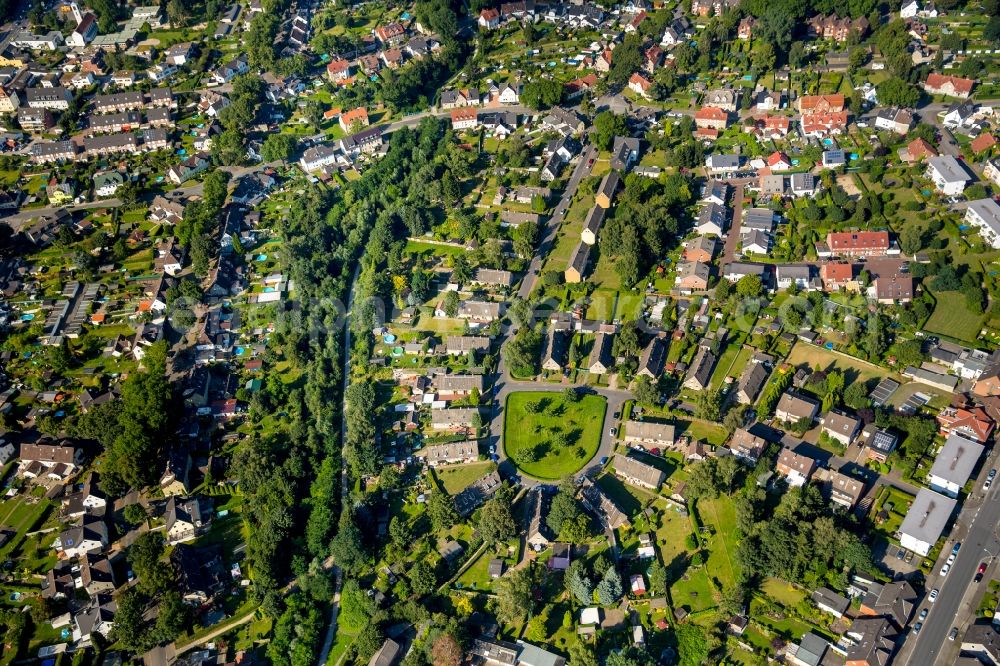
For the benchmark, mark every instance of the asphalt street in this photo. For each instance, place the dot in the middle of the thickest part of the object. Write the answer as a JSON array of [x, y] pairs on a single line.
[[957, 592]]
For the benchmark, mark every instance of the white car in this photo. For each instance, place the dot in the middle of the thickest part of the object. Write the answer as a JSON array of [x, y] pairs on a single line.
[[945, 569], [932, 597]]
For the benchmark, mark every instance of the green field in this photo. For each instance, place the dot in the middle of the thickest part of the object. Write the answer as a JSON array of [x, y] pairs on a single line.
[[952, 319], [578, 423], [803, 354], [458, 477]]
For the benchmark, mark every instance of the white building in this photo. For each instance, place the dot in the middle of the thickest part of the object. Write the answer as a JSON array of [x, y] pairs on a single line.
[[984, 214], [925, 521], [954, 464], [948, 175]]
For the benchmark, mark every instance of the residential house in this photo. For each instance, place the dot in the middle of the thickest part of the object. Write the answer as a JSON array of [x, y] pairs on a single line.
[[824, 124], [188, 168], [972, 423], [727, 99], [186, 519], [917, 151], [896, 601], [747, 446], [949, 86], [840, 427], [700, 371], [555, 350], [456, 418], [858, 243], [638, 473], [692, 276], [357, 116], [592, 224], [925, 521], [649, 434], [751, 383], [96, 617], [601, 360], [710, 117], [653, 357], [954, 464], [893, 289], [606, 190], [842, 490], [894, 119], [793, 408], [821, 104], [880, 444], [489, 19], [794, 467], [450, 454], [984, 215], [711, 220], [640, 85], [576, 268], [700, 248], [90, 535], [948, 174]]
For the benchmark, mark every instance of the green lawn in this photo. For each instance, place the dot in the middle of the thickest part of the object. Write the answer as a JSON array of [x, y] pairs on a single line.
[[458, 477], [812, 355], [532, 440], [951, 318], [719, 515]]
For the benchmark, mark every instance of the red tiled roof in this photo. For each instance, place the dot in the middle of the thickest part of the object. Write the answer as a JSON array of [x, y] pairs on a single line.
[[938, 81], [858, 240]]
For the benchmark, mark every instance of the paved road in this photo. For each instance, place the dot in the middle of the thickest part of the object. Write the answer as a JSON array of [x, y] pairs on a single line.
[[733, 239], [413, 120], [331, 628], [548, 230], [19, 219], [954, 605], [505, 385]]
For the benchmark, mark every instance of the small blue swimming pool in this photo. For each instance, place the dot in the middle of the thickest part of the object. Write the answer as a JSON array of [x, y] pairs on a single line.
[[748, 77], [829, 345], [388, 338], [828, 141], [27, 317], [854, 156], [795, 162], [268, 290], [240, 351], [260, 257]]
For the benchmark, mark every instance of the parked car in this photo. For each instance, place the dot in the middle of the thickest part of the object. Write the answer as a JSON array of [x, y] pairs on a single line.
[[917, 627], [979, 572], [923, 613], [953, 633], [945, 569], [932, 597]]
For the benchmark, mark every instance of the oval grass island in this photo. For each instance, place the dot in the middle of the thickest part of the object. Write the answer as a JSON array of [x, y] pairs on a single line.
[[549, 435]]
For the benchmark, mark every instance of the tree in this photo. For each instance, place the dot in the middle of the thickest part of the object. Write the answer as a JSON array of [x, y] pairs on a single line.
[[514, 596], [277, 147], [563, 508], [421, 578], [347, 549], [496, 523], [525, 238], [875, 338], [451, 303], [173, 618], [145, 556], [856, 396], [607, 126], [578, 582], [536, 630], [609, 590], [657, 574], [907, 353], [692, 645], [911, 240], [441, 510], [446, 651], [356, 607], [134, 514], [749, 286], [128, 624], [541, 93], [645, 391], [897, 92], [709, 406]]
